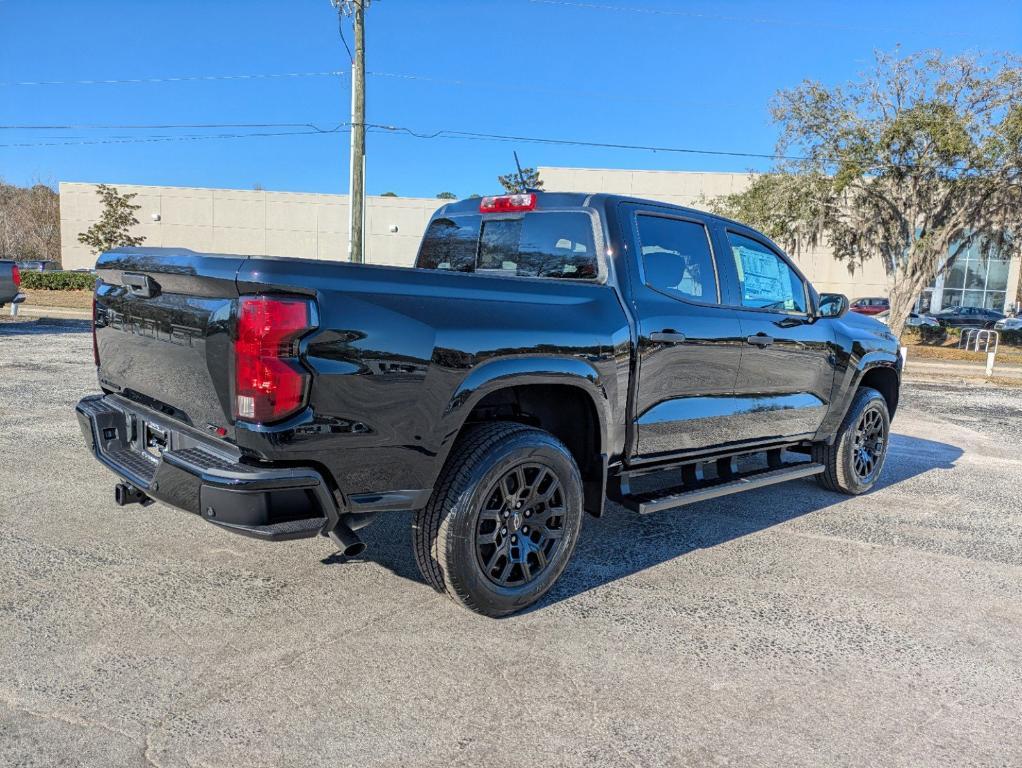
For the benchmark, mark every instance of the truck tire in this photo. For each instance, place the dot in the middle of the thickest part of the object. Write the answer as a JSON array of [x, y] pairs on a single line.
[[503, 520], [854, 461]]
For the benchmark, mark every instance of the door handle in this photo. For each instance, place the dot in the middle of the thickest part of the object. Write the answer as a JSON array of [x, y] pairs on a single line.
[[760, 340], [667, 336]]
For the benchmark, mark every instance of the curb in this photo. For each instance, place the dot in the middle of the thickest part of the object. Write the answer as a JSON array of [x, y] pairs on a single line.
[[36, 311]]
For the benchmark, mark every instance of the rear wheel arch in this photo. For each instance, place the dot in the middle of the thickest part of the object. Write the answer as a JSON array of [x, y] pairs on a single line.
[[568, 407]]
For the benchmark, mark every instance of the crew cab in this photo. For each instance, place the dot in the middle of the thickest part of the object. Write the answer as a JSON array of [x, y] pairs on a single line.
[[10, 283], [548, 350]]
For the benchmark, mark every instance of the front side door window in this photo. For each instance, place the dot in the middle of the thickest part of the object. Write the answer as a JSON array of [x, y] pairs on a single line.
[[765, 279]]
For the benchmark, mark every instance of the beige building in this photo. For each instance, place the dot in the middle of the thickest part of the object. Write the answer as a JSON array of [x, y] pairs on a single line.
[[257, 223], [315, 226]]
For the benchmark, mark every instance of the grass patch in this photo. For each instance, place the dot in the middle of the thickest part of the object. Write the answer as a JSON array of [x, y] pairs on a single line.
[[66, 299], [1005, 354]]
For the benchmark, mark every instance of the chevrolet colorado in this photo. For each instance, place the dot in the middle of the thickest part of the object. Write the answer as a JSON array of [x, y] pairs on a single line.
[[547, 350]]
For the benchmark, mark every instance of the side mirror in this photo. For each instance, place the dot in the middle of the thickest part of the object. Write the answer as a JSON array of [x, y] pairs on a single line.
[[832, 305]]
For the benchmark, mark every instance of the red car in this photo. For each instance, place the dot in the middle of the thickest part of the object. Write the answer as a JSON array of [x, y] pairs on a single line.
[[870, 306]]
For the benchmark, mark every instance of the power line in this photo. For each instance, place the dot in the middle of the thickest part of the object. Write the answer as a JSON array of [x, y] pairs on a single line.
[[340, 32], [165, 126], [410, 77], [192, 137], [729, 19], [452, 134], [601, 95], [445, 133], [180, 79], [377, 128]]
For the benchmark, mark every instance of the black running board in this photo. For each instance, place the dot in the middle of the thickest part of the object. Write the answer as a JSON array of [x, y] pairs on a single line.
[[657, 501]]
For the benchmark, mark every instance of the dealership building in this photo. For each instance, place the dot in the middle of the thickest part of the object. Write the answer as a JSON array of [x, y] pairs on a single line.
[[315, 226]]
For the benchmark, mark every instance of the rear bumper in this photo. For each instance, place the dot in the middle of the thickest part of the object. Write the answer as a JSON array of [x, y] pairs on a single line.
[[194, 474]]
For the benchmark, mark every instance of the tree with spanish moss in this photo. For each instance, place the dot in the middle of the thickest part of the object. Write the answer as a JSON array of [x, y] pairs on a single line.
[[912, 164]]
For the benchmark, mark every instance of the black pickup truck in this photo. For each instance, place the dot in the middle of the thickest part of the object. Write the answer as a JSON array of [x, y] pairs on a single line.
[[548, 350]]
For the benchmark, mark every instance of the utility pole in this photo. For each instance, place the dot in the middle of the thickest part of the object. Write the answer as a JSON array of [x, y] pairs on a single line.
[[356, 189]]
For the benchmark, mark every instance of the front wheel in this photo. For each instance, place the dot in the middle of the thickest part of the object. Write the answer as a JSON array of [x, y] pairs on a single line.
[[503, 520], [854, 461]]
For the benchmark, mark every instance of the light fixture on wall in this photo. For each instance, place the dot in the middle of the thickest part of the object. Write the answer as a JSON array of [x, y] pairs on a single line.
[[156, 216], [393, 229]]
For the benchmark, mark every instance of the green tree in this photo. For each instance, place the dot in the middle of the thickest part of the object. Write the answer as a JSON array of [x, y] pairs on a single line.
[[389, 194], [911, 164], [447, 196], [114, 226], [513, 183]]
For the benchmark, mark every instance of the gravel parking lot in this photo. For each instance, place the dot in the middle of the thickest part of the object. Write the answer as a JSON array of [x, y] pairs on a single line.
[[787, 626]]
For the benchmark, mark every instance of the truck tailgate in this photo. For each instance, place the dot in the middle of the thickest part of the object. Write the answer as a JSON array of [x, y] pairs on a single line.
[[163, 330]]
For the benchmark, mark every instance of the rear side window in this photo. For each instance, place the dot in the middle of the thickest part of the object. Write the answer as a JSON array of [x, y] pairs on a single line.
[[766, 280], [539, 245], [676, 258], [450, 244]]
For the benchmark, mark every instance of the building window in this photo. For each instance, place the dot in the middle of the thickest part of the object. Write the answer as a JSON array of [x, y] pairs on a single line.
[[975, 281]]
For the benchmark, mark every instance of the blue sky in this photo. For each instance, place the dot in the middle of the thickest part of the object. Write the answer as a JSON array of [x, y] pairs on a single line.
[[653, 72]]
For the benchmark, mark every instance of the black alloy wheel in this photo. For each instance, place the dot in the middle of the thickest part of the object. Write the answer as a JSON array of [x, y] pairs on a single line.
[[853, 462], [520, 525], [503, 520], [870, 443]]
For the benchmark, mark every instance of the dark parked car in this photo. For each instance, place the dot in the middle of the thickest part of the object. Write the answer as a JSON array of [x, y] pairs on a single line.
[[968, 317], [37, 266], [870, 306], [547, 350], [10, 284]]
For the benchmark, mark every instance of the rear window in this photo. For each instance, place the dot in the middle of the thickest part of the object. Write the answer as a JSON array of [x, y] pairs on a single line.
[[556, 244], [450, 244]]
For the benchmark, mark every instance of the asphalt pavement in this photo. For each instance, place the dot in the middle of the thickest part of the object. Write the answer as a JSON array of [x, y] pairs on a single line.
[[787, 626]]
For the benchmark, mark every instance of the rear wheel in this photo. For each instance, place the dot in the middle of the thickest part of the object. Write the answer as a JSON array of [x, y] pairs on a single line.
[[854, 462], [504, 518]]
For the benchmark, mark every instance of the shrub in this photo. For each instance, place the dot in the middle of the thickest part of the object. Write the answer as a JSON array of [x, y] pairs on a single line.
[[924, 334], [58, 281], [1011, 338]]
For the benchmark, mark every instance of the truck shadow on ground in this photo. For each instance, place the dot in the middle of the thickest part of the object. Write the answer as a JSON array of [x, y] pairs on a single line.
[[622, 543]]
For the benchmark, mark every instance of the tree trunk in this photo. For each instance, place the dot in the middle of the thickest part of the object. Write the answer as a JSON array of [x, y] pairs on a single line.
[[902, 296]]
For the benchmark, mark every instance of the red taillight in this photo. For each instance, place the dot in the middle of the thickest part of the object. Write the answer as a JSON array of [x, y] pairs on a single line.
[[268, 385], [508, 203], [16, 274], [95, 345]]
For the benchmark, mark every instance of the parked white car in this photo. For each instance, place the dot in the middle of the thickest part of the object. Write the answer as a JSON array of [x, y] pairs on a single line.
[[1009, 324], [914, 320]]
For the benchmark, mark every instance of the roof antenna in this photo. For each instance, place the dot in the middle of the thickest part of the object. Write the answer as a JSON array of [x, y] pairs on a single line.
[[521, 176]]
